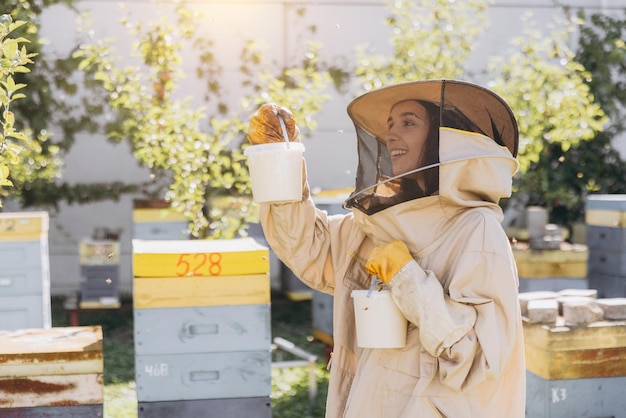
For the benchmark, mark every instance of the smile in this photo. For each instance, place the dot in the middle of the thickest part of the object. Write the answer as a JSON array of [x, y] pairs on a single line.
[[395, 153]]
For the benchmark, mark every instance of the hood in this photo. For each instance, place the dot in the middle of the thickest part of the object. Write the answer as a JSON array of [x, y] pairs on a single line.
[[474, 172], [404, 134]]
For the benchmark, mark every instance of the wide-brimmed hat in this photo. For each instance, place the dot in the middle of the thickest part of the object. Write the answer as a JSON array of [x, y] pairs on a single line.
[[488, 111]]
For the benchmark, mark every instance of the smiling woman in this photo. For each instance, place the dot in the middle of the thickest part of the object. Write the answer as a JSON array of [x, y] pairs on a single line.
[[435, 157]]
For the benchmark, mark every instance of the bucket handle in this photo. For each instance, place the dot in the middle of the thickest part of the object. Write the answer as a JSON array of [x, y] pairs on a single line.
[[284, 129]]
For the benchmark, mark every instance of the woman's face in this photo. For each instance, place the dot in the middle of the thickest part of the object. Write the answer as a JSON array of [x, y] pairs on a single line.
[[407, 130]]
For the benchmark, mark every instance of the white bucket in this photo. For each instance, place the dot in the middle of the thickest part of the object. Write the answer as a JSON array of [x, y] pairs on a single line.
[[379, 322], [275, 171]]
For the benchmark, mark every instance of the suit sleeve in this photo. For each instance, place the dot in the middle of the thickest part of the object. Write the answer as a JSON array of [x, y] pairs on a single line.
[[470, 327], [299, 234]]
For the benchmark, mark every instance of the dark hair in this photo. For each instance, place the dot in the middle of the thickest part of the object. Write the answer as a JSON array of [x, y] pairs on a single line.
[[431, 150]]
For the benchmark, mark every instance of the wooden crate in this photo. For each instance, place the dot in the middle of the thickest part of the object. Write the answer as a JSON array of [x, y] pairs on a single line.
[[51, 367], [557, 352], [201, 291], [172, 377], [23, 226], [252, 407], [199, 258], [568, 262], [202, 329]]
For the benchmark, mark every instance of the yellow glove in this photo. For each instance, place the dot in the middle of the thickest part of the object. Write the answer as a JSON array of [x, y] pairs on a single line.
[[265, 127], [387, 259]]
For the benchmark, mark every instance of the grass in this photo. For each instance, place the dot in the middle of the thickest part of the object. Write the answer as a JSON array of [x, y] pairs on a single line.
[[290, 320]]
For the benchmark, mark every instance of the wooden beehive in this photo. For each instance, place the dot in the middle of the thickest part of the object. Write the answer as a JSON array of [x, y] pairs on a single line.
[[24, 271], [575, 371], [202, 324], [551, 270], [569, 262], [556, 351], [99, 273], [51, 369], [605, 218], [156, 220]]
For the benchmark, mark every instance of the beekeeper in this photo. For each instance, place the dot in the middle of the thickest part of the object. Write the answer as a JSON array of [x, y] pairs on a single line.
[[435, 158]]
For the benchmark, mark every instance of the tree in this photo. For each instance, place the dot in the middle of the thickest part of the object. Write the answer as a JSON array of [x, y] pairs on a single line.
[[563, 173], [14, 58], [430, 39], [51, 116], [199, 163]]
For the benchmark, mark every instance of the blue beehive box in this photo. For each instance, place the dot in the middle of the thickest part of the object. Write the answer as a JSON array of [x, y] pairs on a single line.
[[24, 271]]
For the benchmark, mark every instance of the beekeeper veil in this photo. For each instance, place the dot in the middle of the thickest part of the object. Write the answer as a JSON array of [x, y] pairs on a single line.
[[447, 103]]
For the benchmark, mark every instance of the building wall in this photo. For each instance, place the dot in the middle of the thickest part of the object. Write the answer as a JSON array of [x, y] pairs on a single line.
[[330, 150]]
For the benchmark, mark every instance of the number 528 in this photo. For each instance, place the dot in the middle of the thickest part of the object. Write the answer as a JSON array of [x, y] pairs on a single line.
[[201, 264]]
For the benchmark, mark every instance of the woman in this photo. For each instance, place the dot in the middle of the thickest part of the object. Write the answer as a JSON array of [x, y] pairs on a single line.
[[435, 157]]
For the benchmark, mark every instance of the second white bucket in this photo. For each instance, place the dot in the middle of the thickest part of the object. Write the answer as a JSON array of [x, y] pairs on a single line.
[[275, 171], [379, 322]]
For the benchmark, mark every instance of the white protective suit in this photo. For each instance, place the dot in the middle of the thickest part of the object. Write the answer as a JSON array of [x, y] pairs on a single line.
[[464, 354]]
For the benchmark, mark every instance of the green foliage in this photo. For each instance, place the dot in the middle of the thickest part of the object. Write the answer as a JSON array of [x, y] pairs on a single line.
[[430, 39], [568, 151], [290, 391], [602, 50], [594, 166], [546, 88], [52, 116], [209, 181], [290, 387], [14, 58]]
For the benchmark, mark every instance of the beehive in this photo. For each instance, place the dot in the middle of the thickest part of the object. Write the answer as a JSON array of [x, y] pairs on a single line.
[[575, 371], [156, 220], [605, 217], [99, 273], [551, 270], [202, 325], [24, 271], [56, 371]]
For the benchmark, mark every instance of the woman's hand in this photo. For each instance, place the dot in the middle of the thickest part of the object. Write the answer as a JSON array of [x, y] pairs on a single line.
[[265, 126], [387, 259]]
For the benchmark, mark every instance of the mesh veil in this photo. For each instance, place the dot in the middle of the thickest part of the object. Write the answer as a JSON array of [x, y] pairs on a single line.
[[450, 103]]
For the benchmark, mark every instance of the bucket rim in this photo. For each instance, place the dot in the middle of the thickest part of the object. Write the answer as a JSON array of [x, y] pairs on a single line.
[[273, 146]]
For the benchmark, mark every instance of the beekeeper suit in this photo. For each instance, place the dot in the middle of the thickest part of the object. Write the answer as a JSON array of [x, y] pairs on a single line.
[[440, 250]]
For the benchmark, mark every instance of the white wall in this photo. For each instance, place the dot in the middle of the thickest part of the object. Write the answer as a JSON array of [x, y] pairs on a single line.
[[330, 153]]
